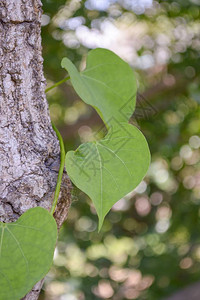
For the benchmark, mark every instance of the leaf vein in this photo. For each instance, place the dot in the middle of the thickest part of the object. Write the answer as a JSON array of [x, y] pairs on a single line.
[[18, 244], [2, 234], [117, 157]]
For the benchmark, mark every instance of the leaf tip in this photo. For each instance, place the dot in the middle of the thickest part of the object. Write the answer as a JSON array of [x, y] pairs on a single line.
[[64, 62], [101, 220]]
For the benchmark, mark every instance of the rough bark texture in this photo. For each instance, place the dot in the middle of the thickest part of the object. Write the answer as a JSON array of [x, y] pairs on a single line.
[[29, 149]]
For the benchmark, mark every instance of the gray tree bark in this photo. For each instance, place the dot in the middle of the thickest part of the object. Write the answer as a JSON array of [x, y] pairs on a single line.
[[29, 149]]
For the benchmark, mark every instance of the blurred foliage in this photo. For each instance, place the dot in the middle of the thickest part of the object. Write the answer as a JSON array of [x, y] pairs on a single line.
[[149, 246]]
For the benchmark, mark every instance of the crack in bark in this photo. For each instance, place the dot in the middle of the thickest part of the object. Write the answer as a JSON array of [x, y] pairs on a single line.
[[15, 22]]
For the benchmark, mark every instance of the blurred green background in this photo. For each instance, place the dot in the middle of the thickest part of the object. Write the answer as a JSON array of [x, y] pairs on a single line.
[[149, 246]]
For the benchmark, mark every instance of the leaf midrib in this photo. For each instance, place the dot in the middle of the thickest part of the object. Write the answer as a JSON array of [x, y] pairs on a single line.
[[101, 181]]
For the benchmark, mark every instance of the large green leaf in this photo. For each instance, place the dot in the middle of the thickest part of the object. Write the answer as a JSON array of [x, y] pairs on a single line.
[[109, 169], [108, 84], [26, 252]]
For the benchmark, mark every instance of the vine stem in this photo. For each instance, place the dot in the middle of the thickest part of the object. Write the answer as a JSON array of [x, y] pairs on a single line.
[[62, 152], [57, 84], [61, 169]]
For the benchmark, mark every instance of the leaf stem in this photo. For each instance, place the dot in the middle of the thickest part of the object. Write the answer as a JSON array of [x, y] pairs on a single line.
[[62, 164], [57, 84]]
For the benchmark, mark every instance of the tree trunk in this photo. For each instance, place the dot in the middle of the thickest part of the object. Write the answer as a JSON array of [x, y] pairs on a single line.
[[29, 149]]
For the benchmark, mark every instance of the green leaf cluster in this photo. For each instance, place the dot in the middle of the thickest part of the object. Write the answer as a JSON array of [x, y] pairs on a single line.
[[108, 169]]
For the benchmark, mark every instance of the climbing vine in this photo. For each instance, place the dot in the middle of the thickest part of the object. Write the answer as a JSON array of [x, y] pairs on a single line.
[[106, 170]]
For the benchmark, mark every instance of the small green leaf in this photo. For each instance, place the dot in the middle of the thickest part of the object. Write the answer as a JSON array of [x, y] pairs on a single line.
[[109, 169], [26, 252], [108, 84]]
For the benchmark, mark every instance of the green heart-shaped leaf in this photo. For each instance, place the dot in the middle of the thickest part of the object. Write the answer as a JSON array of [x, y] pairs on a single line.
[[26, 252], [108, 84], [109, 169]]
